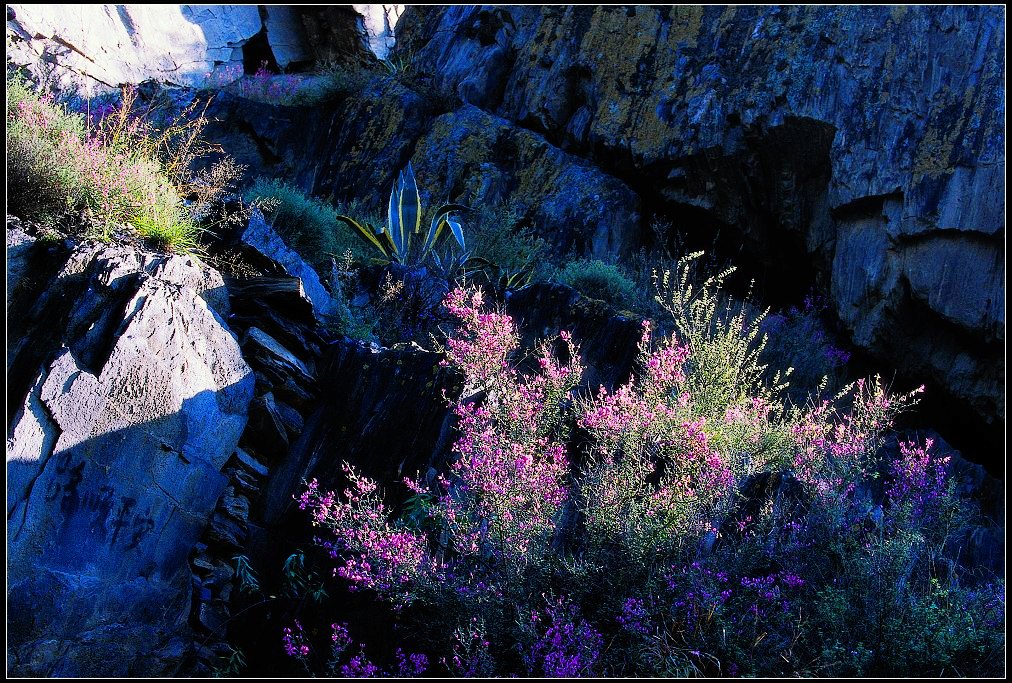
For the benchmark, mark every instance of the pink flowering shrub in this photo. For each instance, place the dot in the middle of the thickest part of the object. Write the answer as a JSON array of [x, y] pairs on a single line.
[[676, 539], [655, 477]]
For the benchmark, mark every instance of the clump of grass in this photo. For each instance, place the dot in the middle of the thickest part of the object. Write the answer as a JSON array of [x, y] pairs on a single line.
[[111, 174], [40, 183], [600, 280], [306, 224]]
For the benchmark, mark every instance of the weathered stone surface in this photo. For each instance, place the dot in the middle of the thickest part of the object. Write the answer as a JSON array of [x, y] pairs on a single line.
[[109, 45], [962, 280], [234, 505], [266, 293], [350, 148], [486, 160], [290, 418], [19, 247], [683, 78], [227, 532], [932, 303], [92, 48], [270, 352], [243, 481], [250, 463], [286, 35], [114, 461], [265, 240], [336, 34], [286, 387]]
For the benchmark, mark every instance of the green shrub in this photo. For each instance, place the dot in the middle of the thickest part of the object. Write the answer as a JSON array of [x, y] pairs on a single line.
[[308, 225], [724, 337], [337, 80], [40, 182], [112, 171], [600, 280]]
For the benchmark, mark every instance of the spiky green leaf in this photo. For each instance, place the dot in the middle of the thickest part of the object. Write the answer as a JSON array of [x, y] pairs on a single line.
[[367, 233]]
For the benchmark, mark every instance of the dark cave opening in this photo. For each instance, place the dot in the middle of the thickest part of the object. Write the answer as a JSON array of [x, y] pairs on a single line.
[[257, 54], [778, 273]]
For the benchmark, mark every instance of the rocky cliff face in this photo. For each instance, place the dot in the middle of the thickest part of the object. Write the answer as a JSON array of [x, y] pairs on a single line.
[[92, 48], [866, 141]]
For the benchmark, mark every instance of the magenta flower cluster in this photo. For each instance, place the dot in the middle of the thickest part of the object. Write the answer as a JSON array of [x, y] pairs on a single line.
[[918, 479], [568, 647], [261, 86]]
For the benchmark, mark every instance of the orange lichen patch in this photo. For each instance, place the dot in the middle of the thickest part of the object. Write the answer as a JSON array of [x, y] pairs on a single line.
[[630, 72]]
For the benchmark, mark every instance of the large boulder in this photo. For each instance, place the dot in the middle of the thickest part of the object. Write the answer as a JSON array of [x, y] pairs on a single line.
[[92, 46], [133, 394]]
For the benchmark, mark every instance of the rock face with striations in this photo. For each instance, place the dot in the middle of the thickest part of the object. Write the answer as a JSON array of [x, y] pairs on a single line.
[[130, 393], [866, 141]]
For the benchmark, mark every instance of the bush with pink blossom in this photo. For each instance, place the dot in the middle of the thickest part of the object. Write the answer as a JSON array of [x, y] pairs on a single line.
[[640, 532]]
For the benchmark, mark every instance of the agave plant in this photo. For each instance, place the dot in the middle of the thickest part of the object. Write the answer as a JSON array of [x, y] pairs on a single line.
[[399, 239]]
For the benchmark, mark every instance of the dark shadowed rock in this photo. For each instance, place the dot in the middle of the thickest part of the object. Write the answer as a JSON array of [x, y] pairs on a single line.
[[349, 148], [270, 353], [608, 340], [19, 249], [265, 436], [383, 412]]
